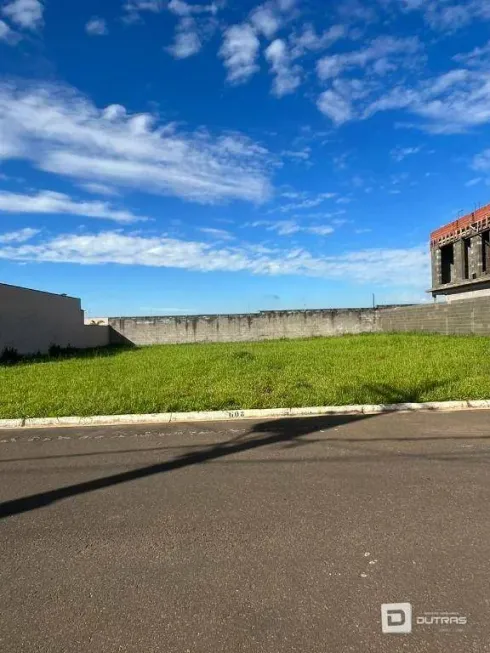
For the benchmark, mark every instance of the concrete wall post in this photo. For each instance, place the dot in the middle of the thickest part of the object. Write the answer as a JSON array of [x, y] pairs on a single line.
[[476, 262], [435, 254], [459, 267]]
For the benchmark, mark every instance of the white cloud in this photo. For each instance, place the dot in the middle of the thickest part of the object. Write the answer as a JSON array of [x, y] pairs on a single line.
[[133, 8], [186, 40], [7, 35], [398, 154], [482, 161], [62, 132], [395, 98], [447, 15], [219, 234], [379, 53], [325, 215], [96, 27], [478, 57], [309, 41], [408, 267], [450, 17], [287, 75], [473, 182], [354, 11], [338, 102], [397, 179], [154, 6], [282, 227], [336, 107], [321, 231], [297, 155], [20, 236], [99, 189], [286, 5], [27, 14], [181, 8], [239, 51], [241, 46], [289, 227], [48, 202], [266, 20], [196, 23], [450, 103], [306, 202], [4, 31]]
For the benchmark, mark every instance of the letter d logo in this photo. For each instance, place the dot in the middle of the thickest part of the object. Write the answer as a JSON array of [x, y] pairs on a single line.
[[396, 618]]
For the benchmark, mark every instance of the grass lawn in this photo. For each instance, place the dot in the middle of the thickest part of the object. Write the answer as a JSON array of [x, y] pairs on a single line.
[[382, 368]]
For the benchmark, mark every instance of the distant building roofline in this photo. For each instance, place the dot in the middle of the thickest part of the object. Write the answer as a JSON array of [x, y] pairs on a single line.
[[44, 292], [457, 228]]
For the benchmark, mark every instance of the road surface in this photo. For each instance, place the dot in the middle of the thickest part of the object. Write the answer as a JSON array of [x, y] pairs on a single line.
[[274, 537]]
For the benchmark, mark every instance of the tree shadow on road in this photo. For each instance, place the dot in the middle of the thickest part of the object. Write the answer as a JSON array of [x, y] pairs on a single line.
[[260, 435], [290, 432]]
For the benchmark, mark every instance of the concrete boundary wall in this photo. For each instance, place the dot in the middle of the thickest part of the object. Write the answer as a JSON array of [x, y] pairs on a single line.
[[32, 321], [468, 316], [471, 316], [96, 336], [267, 325]]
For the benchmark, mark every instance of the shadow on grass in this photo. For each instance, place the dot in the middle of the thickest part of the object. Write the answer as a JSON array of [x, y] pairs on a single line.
[[10, 358], [384, 393]]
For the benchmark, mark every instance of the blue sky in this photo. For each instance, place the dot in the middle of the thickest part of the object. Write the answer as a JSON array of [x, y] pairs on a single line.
[[185, 157]]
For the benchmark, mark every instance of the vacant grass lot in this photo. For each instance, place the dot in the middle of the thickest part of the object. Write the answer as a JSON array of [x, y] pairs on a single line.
[[320, 371]]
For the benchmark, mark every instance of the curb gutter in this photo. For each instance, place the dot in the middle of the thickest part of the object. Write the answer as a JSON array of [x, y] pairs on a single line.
[[223, 415]]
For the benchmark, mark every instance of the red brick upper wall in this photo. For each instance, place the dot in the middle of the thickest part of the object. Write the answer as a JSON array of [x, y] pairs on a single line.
[[462, 223]]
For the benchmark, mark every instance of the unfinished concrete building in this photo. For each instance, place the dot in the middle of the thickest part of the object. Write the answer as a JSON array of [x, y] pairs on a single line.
[[460, 254]]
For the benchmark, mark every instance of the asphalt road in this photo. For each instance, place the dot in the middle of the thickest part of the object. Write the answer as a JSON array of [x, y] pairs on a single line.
[[274, 537]]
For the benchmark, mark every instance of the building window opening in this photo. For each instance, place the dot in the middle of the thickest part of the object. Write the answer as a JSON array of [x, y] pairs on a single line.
[[486, 251], [447, 263]]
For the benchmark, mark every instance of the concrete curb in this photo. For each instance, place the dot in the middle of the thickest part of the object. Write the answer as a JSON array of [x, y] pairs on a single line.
[[223, 415]]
